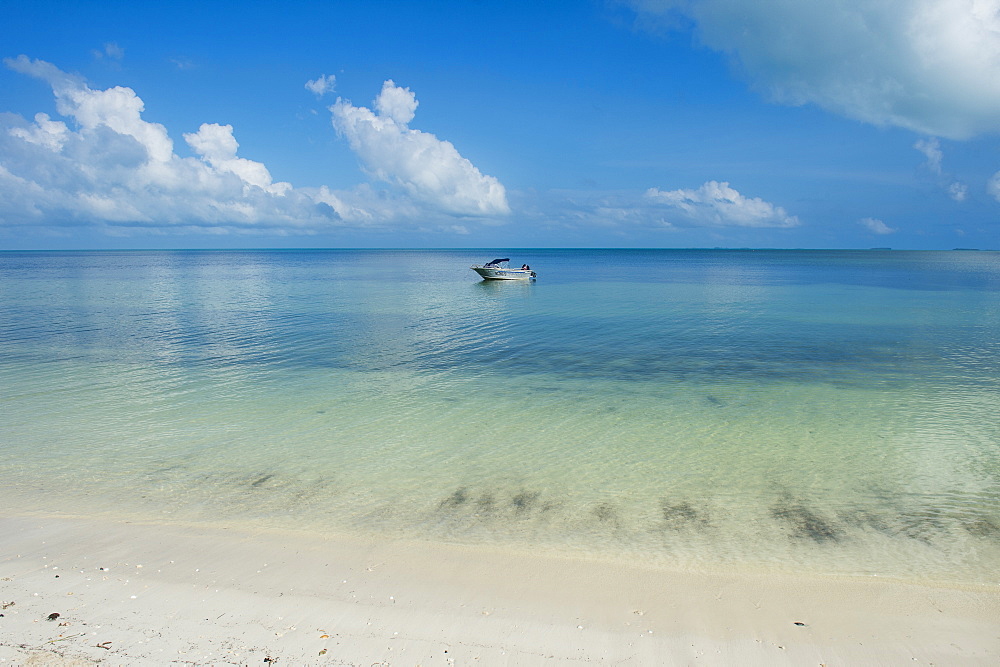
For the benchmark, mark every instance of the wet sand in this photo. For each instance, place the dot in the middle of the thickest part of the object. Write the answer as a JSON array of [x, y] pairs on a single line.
[[131, 593]]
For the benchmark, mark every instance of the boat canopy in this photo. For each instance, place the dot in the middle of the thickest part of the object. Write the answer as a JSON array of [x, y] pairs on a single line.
[[496, 262]]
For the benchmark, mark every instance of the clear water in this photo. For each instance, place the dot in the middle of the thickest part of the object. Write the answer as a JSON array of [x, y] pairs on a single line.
[[808, 411]]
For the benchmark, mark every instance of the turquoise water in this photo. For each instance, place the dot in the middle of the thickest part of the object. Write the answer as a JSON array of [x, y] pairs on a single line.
[[808, 411]]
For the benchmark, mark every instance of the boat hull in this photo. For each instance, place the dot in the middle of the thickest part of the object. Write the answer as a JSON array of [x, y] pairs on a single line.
[[504, 274]]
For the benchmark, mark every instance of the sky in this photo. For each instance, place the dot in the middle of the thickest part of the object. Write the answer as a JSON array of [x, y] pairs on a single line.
[[433, 124]]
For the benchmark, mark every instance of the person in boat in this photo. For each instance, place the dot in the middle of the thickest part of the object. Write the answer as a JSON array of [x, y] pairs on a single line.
[[525, 267]]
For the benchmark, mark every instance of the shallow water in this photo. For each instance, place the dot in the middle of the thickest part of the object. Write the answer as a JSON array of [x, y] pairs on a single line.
[[812, 411]]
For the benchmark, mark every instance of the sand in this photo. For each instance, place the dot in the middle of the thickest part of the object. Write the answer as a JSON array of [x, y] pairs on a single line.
[[138, 594]]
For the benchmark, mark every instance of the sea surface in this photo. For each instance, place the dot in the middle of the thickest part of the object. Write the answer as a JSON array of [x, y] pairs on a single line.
[[824, 412]]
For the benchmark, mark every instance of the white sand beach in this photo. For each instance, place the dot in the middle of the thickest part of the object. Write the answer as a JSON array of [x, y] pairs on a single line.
[[138, 594]]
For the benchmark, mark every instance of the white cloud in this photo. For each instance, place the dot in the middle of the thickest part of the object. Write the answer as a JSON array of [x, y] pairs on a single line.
[[958, 191], [427, 168], [116, 168], [931, 66], [46, 132], [397, 104], [111, 51], [184, 63], [323, 85], [217, 146], [717, 204], [993, 186], [931, 148], [877, 226], [107, 166], [118, 109]]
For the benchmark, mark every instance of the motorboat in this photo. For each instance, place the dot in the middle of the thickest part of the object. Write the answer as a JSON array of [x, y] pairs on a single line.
[[498, 269]]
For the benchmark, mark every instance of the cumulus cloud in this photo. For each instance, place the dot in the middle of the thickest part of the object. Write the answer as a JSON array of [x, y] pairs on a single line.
[[931, 66], [323, 85], [429, 169], [106, 165], [877, 226], [217, 146], [51, 134], [115, 168], [117, 109], [717, 204]]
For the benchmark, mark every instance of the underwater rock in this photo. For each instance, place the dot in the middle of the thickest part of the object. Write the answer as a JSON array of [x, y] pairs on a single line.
[[459, 497], [524, 501], [805, 523], [485, 504], [924, 526], [680, 515], [863, 518], [982, 528], [261, 481], [605, 513]]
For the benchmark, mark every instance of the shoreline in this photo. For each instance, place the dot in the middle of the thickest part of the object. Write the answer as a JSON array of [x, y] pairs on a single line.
[[147, 593]]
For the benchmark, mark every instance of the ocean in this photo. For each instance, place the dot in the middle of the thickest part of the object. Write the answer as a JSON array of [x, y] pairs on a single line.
[[820, 412]]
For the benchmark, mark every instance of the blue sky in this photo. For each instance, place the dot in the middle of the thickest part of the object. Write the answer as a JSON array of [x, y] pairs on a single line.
[[596, 123]]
